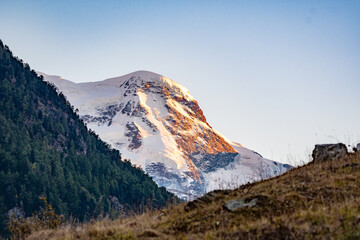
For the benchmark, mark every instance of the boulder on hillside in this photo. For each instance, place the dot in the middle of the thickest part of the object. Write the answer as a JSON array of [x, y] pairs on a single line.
[[326, 152], [239, 203]]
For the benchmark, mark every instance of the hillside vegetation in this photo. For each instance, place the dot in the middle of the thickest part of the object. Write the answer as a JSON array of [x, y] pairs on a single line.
[[316, 201], [46, 150]]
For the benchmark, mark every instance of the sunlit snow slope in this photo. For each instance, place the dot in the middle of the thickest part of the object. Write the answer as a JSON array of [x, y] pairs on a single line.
[[158, 125]]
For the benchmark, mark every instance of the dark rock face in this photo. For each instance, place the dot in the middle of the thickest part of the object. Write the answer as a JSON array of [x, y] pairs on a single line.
[[110, 111], [159, 168], [128, 107], [152, 126], [134, 136], [91, 119], [165, 177], [211, 162], [358, 147], [106, 115], [326, 152]]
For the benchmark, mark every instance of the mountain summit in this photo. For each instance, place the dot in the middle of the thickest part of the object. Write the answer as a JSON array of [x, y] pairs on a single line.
[[159, 126]]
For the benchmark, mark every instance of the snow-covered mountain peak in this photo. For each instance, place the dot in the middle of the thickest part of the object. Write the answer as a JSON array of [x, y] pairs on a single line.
[[158, 125], [145, 79]]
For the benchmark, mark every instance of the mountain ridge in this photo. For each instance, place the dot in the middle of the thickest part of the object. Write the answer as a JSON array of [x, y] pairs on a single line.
[[157, 124]]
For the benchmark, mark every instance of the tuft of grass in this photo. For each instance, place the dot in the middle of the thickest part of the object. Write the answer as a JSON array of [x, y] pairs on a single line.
[[315, 201]]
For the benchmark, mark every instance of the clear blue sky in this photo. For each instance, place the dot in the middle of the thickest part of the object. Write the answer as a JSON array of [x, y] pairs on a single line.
[[276, 76]]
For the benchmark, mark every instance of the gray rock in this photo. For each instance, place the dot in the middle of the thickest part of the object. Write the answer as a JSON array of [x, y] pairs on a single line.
[[236, 204], [326, 152], [358, 147], [201, 202], [16, 212], [115, 204]]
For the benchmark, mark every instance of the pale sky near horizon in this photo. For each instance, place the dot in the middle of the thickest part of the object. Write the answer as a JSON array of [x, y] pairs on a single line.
[[275, 76]]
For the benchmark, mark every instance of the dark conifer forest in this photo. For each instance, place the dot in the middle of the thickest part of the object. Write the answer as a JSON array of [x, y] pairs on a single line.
[[46, 150]]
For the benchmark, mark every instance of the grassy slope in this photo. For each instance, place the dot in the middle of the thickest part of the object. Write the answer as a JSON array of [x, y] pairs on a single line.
[[317, 201]]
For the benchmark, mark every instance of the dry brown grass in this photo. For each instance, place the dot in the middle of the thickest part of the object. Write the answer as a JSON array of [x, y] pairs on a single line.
[[46, 218], [316, 201]]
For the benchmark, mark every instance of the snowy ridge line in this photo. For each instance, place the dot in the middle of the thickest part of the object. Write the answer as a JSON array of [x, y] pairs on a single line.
[[157, 124]]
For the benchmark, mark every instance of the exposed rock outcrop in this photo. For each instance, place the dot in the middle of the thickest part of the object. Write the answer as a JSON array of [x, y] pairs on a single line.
[[134, 136], [236, 204], [326, 152]]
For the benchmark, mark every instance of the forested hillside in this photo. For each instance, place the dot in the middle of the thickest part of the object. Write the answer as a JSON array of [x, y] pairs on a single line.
[[45, 149]]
